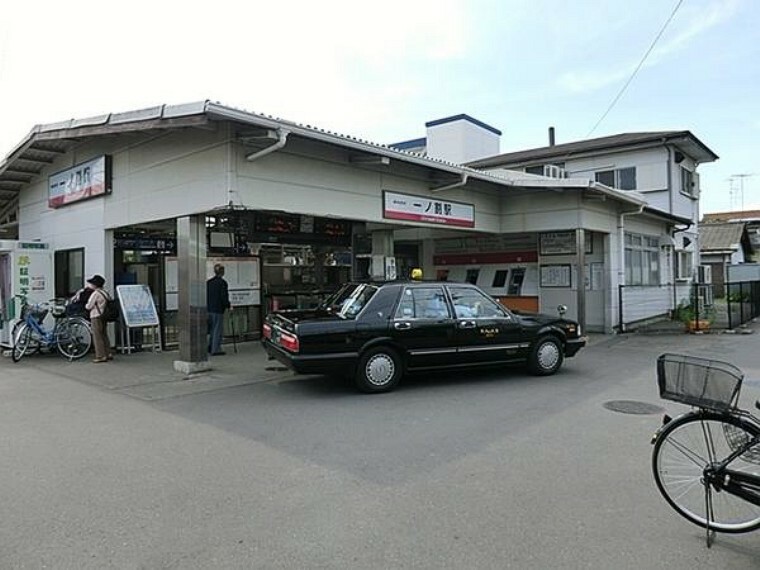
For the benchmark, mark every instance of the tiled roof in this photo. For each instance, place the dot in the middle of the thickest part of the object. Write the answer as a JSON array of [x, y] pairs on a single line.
[[735, 216]]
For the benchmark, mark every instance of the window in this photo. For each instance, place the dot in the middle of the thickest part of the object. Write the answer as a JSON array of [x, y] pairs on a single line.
[[684, 265], [69, 272], [349, 300], [539, 169], [687, 182], [515, 284], [423, 303], [546, 169], [642, 260], [621, 178], [500, 278], [472, 276], [470, 303]]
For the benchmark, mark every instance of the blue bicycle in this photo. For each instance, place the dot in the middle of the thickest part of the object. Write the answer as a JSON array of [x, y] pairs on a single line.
[[71, 336]]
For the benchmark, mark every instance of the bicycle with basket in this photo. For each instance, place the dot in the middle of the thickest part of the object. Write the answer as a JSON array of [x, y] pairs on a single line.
[[706, 462], [70, 335]]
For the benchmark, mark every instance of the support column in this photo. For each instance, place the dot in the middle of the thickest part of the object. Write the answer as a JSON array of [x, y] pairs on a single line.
[[382, 247], [580, 247], [191, 273]]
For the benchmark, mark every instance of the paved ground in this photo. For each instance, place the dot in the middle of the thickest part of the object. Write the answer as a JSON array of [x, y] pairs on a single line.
[[128, 465]]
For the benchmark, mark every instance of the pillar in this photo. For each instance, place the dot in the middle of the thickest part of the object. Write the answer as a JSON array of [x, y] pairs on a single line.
[[191, 273]]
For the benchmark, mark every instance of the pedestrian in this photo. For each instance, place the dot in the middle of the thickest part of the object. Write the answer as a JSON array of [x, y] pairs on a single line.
[[217, 301], [96, 307]]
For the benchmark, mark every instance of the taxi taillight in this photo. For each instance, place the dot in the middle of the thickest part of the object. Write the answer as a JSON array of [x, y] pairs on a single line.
[[266, 330], [289, 342]]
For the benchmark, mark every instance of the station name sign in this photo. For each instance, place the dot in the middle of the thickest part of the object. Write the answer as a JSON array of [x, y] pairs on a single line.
[[397, 206], [81, 182]]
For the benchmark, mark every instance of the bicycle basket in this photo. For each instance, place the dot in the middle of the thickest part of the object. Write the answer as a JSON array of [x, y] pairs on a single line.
[[37, 311], [737, 438], [58, 311], [708, 384]]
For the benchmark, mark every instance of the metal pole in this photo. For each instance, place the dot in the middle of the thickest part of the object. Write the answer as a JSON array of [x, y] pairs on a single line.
[[727, 289], [580, 244], [621, 326]]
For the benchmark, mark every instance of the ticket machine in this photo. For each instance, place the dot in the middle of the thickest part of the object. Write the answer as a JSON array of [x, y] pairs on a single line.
[[26, 268]]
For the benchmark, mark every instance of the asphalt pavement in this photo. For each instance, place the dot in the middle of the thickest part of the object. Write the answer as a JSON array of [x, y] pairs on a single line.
[[130, 465]]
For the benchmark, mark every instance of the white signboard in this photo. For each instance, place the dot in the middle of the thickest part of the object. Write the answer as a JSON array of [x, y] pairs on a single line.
[[85, 180], [555, 276], [137, 306], [241, 274], [398, 206]]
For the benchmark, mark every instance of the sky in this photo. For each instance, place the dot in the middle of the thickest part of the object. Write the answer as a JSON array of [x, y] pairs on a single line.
[[380, 70]]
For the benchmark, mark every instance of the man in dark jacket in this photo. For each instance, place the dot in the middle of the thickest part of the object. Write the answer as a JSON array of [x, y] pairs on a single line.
[[217, 301]]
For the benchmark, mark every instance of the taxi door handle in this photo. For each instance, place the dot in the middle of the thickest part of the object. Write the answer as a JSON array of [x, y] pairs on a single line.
[[402, 326], [466, 324]]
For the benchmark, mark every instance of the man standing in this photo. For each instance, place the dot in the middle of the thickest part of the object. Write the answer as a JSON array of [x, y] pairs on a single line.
[[217, 301]]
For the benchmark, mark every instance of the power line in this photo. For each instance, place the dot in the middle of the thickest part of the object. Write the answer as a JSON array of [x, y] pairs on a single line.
[[635, 71]]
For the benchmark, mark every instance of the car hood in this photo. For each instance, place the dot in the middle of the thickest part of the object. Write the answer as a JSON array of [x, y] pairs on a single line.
[[540, 319]]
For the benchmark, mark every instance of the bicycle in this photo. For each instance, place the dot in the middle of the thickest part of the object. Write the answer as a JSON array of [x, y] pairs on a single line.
[[71, 336], [706, 462]]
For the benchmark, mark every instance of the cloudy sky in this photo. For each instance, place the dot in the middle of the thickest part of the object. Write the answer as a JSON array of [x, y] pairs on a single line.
[[380, 70]]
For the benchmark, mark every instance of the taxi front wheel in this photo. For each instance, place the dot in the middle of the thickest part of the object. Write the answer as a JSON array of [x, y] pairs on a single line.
[[379, 370], [546, 356]]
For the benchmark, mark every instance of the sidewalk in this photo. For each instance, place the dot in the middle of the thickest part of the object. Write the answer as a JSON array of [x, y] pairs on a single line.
[[151, 376]]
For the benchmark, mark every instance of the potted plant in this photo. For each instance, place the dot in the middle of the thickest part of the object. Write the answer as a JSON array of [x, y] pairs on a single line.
[[694, 322]]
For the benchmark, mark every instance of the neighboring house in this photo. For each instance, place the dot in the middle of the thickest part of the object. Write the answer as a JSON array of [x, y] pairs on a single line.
[[751, 219], [722, 245], [659, 166]]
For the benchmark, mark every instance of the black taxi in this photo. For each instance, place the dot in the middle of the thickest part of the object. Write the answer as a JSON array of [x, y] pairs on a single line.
[[377, 332]]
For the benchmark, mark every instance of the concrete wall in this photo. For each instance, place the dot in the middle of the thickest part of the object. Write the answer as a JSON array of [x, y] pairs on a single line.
[[461, 141]]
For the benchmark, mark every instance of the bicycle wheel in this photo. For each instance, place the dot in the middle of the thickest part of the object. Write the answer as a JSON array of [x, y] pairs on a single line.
[[685, 448], [73, 338], [22, 341], [33, 345]]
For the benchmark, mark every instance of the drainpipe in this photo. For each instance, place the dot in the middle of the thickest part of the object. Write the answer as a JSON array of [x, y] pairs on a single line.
[[282, 137], [459, 184], [670, 177], [621, 268]]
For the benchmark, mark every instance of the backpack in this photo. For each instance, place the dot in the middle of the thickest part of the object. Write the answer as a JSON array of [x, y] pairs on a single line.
[[76, 306], [111, 310]]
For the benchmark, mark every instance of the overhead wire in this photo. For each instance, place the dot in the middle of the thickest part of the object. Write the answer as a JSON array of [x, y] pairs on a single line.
[[636, 70]]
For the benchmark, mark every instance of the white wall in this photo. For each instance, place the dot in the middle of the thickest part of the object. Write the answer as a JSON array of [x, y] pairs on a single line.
[[461, 141]]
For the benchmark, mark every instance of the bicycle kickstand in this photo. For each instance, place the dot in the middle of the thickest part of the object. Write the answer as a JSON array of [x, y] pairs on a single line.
[[710, 533]]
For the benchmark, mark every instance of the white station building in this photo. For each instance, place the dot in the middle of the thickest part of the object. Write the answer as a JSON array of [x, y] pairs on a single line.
[[155, 196]]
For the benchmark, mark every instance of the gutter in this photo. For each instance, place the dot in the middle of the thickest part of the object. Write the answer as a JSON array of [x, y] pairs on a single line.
[[282, 138], [462, 182]]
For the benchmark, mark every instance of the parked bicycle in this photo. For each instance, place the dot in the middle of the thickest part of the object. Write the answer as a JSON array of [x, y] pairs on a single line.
[[706, 462], [71, 336]]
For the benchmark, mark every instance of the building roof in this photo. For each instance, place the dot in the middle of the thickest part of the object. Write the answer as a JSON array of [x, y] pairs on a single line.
[[685, 140], [721, 236], [45, 143], [735, 216]]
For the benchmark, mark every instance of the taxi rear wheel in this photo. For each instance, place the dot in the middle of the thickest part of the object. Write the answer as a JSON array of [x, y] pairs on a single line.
[[379, 370], [546, 356]]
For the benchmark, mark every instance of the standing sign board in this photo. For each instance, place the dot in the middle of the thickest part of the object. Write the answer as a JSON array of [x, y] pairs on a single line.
[[138, 310]]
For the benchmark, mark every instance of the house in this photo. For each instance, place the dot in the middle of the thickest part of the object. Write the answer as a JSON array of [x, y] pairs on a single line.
[[750, 218], [659, 166], [722, 245]]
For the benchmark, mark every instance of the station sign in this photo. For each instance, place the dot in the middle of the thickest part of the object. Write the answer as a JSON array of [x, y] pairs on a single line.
[[397, 206], [81, 182]]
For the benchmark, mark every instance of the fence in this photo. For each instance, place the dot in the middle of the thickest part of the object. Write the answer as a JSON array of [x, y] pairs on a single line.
[[742, 302]]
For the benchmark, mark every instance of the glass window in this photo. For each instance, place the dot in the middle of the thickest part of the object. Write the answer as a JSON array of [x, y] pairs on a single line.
[[472, 276], [471, 303], [69, 272], [626, 178], [348, 301], [515, 284], [606, 177], [423, 303], [539, 169], [642, 260], [687, 181], [500, 278]]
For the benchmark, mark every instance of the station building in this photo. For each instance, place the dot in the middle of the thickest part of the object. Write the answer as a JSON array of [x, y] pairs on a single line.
[[155, 196]]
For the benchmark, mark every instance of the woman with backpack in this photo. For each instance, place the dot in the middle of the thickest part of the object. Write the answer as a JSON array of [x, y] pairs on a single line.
[[96, 306]]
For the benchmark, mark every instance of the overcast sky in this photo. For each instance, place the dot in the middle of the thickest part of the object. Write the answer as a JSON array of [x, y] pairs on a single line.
[[380, 70]]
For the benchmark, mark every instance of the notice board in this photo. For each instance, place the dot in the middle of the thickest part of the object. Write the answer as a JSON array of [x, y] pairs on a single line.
[[137, 306]]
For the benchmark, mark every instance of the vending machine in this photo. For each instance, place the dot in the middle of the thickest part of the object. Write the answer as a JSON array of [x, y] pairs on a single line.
[[26, 270]]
